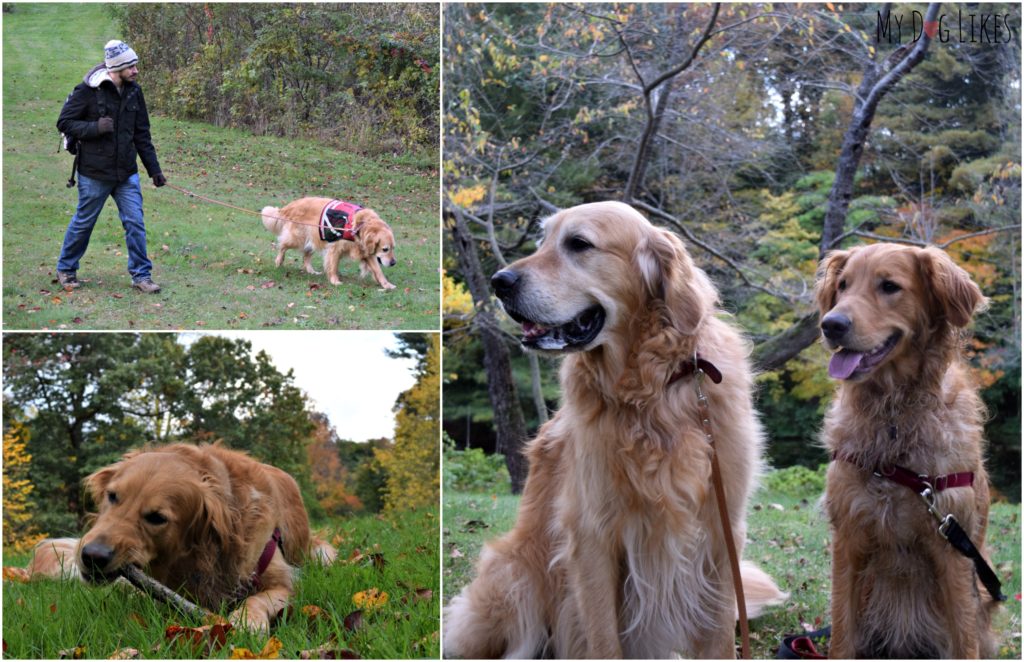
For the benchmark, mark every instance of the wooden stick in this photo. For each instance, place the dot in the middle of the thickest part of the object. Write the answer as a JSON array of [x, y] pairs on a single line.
[[158, 591]]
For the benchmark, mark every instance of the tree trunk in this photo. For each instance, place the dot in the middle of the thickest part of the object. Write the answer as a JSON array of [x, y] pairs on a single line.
[[509, 424]]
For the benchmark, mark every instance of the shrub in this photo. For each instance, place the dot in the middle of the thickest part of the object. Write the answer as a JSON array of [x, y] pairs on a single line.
[[797, 481], [472, 470]]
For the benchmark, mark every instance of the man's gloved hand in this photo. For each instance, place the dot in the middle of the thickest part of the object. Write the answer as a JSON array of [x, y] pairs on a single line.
[[106, 125], [159, 179]]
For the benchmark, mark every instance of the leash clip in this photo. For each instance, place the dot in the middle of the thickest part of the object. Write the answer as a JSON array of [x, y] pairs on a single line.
[[928, 494]]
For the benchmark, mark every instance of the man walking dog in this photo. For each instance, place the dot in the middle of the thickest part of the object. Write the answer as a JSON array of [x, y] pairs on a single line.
[[107, 114]]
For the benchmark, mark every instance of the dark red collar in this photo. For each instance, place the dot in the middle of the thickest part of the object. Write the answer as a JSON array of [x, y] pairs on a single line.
[[276, 541], [915, 481], [691, 365]]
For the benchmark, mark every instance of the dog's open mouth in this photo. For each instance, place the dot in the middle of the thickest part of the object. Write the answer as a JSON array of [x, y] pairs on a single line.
[[575, 334], [847, 363]]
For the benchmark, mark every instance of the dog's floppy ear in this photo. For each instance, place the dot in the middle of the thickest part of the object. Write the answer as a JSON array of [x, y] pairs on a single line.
[[828, 279], [97, 482], [669, 275], [954, 294]]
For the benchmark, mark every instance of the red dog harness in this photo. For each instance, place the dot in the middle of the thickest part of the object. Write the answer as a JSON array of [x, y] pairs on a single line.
[[336, 221]]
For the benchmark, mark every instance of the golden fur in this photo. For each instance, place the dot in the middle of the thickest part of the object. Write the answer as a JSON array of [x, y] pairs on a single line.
[[898, 588], [618, 549], [196, 519], [373, 248]]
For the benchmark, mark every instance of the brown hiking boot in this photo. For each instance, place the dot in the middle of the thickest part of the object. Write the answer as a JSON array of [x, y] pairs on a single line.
[[68, 280], [146, 285]]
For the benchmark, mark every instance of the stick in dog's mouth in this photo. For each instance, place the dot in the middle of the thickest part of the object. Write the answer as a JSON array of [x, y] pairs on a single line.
[[161, 593]]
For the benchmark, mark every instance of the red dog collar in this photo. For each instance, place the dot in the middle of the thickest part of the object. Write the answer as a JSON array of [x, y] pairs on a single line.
[[276, 541]]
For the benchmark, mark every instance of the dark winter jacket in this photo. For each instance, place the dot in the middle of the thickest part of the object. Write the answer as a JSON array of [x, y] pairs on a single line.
[[112, 156]]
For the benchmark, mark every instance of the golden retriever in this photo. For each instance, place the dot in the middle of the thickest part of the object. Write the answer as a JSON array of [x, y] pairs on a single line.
[[197, 519], [893, 315], [373, 243], [618, 548]]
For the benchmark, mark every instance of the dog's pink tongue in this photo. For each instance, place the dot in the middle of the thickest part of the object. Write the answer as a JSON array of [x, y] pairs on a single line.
[[844, 363]]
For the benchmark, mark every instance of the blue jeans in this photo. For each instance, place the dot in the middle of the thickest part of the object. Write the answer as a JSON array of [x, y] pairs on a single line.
[[92, 194]]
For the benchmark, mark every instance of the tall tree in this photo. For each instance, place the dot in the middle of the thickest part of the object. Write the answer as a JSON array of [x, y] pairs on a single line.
[[413, 463]]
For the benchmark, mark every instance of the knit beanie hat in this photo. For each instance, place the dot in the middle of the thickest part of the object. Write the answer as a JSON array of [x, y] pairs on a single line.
[[118, 55]]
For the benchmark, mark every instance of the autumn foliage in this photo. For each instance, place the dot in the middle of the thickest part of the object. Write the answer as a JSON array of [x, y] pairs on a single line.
[[20, 533]]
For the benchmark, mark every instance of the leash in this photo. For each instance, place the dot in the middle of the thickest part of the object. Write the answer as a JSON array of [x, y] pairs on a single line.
[[948, 527], [242, 209], [699, 368]]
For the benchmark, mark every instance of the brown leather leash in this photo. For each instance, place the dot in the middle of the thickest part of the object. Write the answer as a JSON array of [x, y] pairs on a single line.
[[243, 209], [698, 369]]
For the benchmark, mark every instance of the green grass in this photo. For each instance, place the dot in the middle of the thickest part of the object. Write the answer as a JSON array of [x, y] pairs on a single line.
[[787, 537], [43, 617], [216, 265]]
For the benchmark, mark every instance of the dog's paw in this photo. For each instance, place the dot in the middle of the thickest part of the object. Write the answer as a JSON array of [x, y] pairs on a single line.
[[249, 620], [389, 286]]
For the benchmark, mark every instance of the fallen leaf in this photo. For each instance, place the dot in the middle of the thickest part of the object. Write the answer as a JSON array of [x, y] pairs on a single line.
[[270, 651], [56, 300], [212, 637], [455, 553], [126, 654], [53, 608], [117, 296], [354, 621], [16, 574], [312, 612], [77, 320], [370, 599], [267, 285], [76, 653]]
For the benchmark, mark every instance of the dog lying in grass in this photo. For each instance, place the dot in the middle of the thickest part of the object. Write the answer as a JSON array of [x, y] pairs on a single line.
[[208, 522], [336, 229]]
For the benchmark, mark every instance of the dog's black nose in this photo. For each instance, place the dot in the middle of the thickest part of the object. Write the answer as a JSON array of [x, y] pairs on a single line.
[[504, 282], [835, 326], [96, 556]]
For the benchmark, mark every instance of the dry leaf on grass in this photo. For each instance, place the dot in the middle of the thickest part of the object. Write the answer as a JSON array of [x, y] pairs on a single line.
[[126, 654], [328, 653], [210, 637], [354, 621], [371, 598], [15, 574], [270, 651], [76, 653]]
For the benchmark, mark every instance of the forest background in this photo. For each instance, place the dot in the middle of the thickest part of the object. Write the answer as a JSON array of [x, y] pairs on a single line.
[[765, 135], [74, 403]]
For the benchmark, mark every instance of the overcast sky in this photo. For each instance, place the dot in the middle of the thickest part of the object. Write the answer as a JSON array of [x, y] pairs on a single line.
[[346, 375]]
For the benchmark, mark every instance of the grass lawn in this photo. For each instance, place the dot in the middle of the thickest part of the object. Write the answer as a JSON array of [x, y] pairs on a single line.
[[787, 537], [399, 557], [216, 265]]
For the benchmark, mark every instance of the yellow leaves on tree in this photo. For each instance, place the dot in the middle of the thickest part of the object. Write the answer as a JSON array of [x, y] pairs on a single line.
[[412, 464], [19, 532], [456, 300]]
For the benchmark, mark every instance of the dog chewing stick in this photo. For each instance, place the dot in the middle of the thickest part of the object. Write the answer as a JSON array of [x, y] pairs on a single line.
[[155, 589]]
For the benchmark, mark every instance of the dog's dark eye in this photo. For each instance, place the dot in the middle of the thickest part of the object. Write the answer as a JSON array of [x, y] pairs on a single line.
[[155, 518], [386, 249], [112, 497], [842, 285], [890, 287], [578, 244]]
